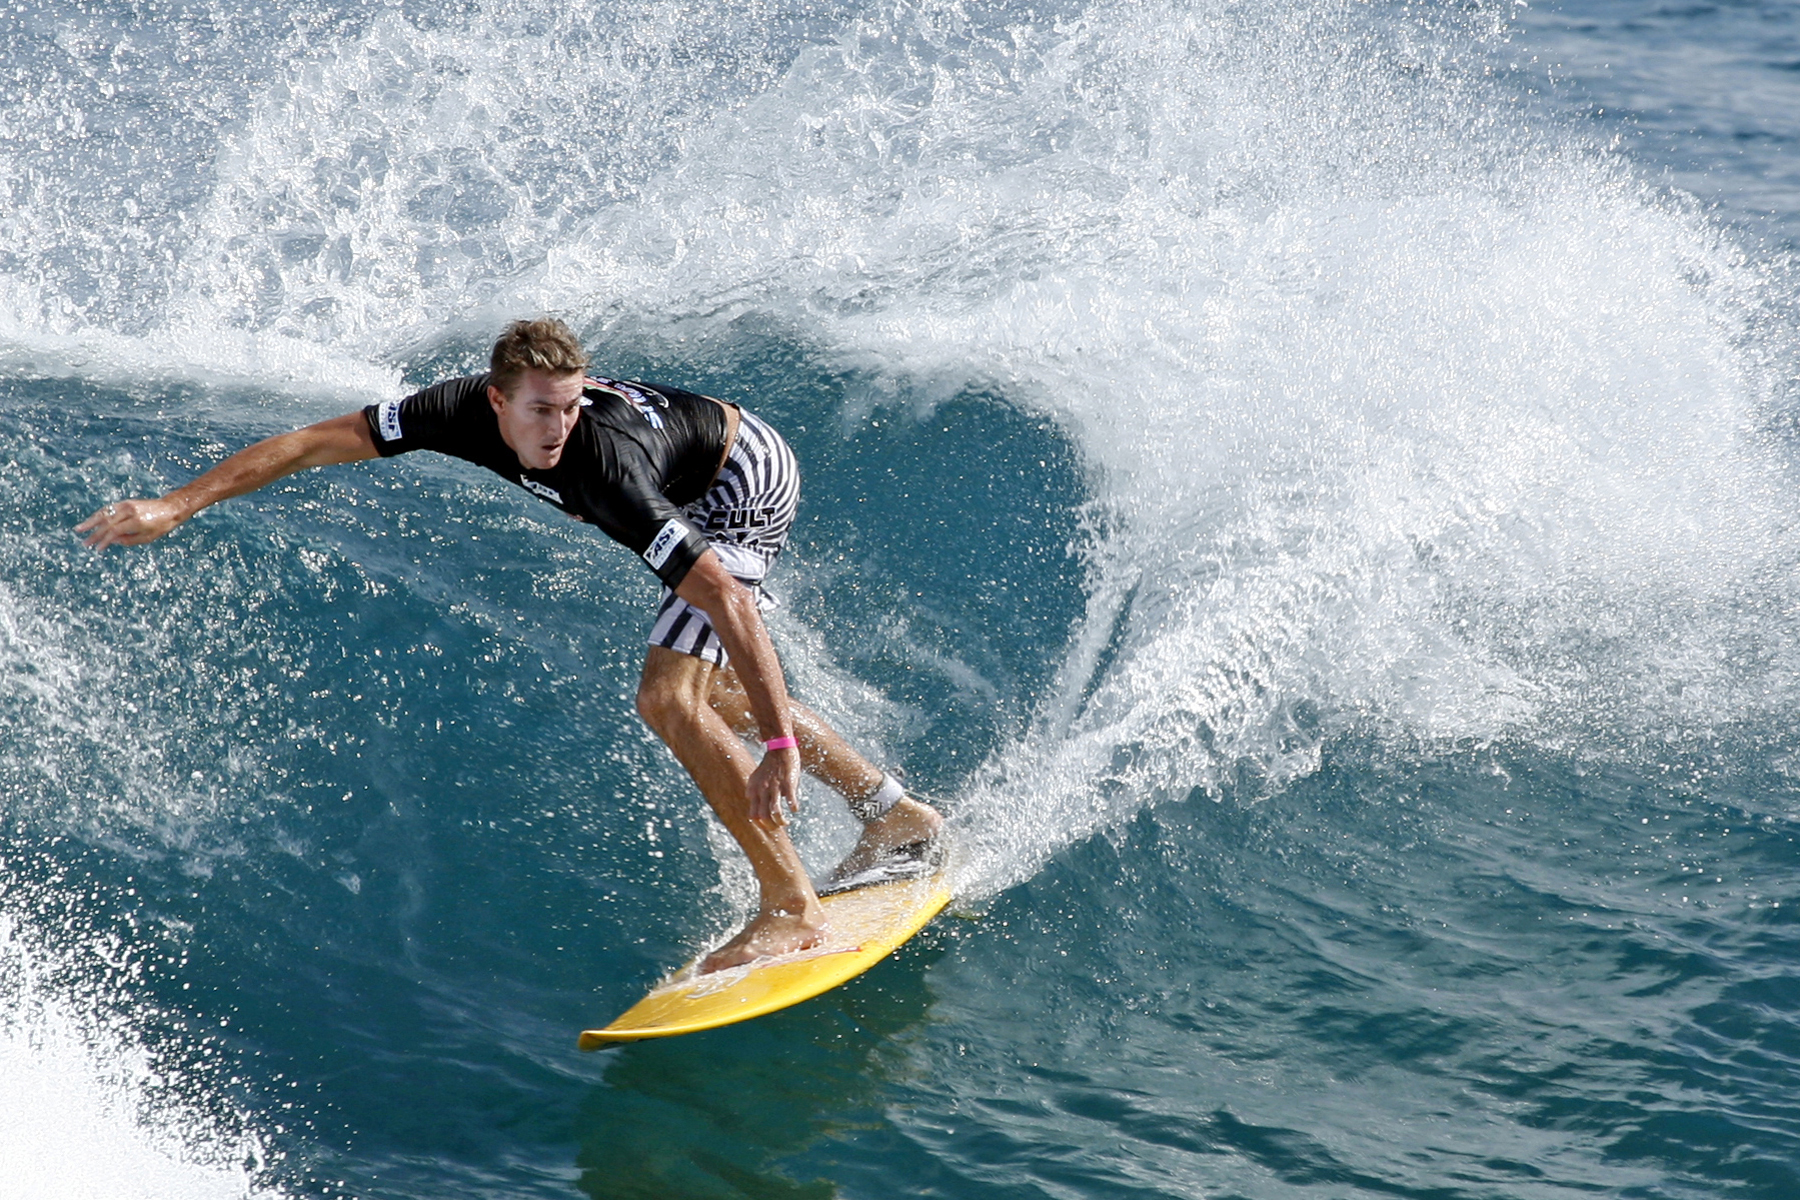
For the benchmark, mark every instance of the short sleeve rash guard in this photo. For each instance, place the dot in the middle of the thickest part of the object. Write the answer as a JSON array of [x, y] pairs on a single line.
[[639, 454]]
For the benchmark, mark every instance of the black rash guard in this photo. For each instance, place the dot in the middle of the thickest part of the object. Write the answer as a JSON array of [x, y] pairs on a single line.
[[637, 456]]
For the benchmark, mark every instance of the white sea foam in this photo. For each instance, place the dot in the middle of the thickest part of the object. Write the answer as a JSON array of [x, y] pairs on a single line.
[[1398, 412], [196, 353], [1395, 416], [86, 1111]]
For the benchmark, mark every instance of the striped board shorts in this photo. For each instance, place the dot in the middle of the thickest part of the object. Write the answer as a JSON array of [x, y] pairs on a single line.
[[745, 515]]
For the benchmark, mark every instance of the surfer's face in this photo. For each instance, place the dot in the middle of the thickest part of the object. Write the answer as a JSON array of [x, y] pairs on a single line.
[[538, 416]]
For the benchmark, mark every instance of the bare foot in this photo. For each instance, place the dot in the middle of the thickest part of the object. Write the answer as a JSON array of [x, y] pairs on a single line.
[[772, 933], [905, 824]]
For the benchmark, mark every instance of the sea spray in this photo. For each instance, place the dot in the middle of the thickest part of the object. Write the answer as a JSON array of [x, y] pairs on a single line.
[[88, 1107], [1395, 409], [1424, 500], [1398, 413]]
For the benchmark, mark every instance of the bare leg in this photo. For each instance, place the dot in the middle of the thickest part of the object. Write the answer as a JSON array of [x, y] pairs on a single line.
[[672, 700], [826, 756]]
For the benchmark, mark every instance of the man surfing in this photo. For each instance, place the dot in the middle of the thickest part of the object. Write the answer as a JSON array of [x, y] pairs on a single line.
[[704, 492]]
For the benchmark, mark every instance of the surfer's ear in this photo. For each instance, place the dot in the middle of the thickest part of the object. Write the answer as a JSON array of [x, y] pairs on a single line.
[[496, 398]]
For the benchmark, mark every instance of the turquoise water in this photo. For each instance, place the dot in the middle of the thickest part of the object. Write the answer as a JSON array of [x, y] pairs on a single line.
[[1311, 487]]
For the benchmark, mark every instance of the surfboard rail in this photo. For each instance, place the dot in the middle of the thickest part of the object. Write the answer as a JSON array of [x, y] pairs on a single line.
[[862, 928]]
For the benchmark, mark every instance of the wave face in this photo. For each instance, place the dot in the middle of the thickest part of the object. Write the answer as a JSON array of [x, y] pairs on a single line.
[[1313, 506]]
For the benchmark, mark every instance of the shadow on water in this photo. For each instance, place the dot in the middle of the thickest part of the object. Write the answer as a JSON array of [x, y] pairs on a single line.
[[713, 1116]]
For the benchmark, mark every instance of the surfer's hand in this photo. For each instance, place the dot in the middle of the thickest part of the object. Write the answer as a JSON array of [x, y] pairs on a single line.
[[130, 523], [775, 785]]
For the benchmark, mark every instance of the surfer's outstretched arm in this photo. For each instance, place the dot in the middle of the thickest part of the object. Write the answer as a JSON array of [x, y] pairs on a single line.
[[133, 522]]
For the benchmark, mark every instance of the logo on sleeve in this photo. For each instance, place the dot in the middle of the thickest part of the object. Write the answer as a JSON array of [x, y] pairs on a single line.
[[645, 404], [387, 417], [664, 544]]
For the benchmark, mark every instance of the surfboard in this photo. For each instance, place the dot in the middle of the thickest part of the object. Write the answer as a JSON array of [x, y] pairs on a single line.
[[863, 926]]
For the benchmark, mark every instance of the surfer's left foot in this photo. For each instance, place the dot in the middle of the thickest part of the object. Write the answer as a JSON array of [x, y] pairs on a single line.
[[770, 934], [905, 832]]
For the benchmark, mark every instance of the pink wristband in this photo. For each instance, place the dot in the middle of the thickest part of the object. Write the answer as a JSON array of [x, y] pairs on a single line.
[[781, 743]]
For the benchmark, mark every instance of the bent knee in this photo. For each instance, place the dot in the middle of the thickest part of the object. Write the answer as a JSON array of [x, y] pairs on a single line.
[[663, 707], [672, 690]]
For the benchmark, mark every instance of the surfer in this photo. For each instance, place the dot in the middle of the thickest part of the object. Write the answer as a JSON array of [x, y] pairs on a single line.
[[705, 493]]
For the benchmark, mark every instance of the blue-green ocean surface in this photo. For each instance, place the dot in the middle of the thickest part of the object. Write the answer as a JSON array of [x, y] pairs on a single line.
[[1311, 486]]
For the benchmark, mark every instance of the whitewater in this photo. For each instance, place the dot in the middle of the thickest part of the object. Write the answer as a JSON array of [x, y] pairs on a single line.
[[1309, 486]]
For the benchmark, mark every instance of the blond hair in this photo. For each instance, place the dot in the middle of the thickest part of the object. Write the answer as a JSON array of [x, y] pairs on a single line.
[[545, 344]]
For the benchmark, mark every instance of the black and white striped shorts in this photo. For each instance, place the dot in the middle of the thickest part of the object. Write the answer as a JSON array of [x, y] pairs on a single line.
[[746, 515]]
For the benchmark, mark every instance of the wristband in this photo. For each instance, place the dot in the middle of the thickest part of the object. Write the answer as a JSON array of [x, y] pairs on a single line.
[[782, 743]]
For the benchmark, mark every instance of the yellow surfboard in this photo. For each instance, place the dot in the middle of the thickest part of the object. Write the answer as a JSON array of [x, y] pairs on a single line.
[[862, 928]]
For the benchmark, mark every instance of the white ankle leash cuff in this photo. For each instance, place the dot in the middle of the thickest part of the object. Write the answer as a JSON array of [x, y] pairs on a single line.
[[876, 804]]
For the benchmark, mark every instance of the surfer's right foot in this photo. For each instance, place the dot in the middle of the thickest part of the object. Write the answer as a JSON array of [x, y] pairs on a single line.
[[769, 935]]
